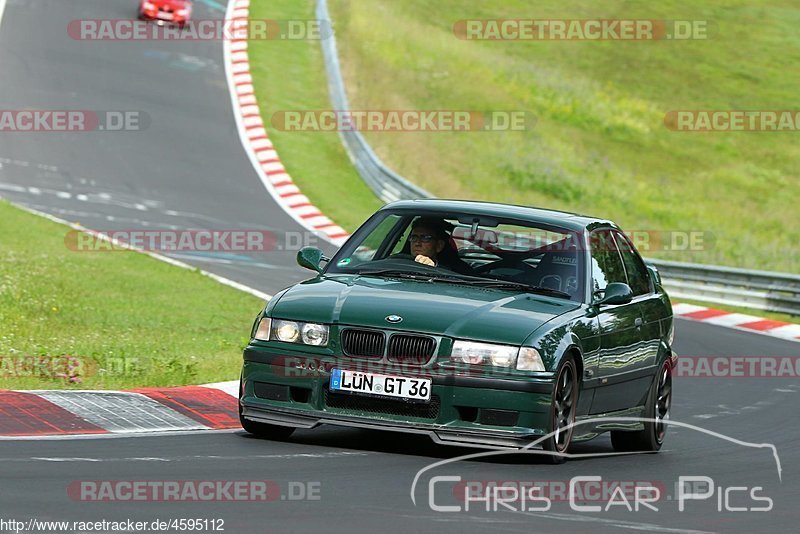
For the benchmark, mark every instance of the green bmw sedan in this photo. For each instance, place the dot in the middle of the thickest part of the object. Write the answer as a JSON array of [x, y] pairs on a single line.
[[478, 324]]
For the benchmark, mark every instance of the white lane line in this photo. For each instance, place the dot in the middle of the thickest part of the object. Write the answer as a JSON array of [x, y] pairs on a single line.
[[221, 279], [633, 525], [124, 435], [79, 459], [12, 187]]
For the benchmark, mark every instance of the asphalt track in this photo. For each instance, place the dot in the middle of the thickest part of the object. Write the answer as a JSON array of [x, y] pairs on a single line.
[[188, 170]]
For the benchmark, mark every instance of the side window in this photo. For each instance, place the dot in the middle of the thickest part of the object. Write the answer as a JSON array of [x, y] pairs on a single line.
[[371, 243], [398, 247], [638, 277], [607, 264]]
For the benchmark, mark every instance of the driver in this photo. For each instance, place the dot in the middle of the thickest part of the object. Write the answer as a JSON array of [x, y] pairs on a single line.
[[430, 245]]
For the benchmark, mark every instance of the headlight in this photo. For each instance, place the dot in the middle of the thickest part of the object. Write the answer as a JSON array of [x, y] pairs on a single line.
[[183, 12], [473, 353], [529, 359], [148, 5], [264, 327], [288, 331], [507, 356], [671, 334], [292, 332], [314, 334]]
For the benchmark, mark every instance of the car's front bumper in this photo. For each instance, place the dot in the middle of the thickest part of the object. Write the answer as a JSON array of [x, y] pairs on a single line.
[[475, 411]]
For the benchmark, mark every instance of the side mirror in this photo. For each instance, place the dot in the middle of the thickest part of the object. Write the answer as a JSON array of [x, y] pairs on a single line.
[[310, 258], [615, 293]]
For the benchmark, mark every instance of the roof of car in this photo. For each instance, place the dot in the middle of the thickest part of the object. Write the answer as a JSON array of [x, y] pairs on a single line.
[[570, 221]]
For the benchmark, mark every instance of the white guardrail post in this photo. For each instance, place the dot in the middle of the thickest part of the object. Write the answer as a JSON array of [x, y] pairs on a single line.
[[760, 290]]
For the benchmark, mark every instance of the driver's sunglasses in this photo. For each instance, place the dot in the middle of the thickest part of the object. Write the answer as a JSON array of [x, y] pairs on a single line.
[[427, 238]]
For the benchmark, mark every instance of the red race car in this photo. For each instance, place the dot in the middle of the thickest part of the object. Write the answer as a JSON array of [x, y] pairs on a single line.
[[166, 11]]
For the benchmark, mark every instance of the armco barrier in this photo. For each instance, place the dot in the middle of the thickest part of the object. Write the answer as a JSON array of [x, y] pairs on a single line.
[[387, 184]]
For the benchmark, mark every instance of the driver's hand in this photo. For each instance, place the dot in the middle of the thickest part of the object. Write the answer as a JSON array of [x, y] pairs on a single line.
[[424, 260]]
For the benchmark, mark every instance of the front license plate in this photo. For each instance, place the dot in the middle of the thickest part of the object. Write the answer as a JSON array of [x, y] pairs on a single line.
[[384, 385]]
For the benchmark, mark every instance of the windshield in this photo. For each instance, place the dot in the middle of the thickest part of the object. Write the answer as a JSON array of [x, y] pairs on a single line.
[[467, 249]]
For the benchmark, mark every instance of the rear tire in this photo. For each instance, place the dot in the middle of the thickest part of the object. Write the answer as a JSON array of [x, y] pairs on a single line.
[[562, 412], [651, 437]]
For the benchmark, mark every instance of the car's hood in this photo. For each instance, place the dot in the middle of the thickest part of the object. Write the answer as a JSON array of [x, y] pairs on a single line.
[[459, 311]]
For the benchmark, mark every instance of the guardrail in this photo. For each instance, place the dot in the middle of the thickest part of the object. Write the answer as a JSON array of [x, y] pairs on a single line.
[[760, 290], [387, 184]]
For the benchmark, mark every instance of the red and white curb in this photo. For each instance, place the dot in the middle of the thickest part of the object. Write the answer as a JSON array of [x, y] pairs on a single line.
[[143, 410], [256, 142], [739, 321], [32, 414]]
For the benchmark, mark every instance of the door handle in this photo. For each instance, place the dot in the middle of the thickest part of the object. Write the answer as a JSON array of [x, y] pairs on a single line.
[[638, 322]]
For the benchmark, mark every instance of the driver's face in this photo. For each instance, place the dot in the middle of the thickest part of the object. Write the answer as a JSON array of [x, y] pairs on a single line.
[[424, 241]]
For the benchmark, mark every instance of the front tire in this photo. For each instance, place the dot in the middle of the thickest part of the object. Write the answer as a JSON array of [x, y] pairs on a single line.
[[651, 437], [264, 430], [562, 412]]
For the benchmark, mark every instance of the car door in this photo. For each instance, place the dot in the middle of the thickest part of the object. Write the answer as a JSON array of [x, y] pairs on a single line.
[[651, 305], [621, 343]]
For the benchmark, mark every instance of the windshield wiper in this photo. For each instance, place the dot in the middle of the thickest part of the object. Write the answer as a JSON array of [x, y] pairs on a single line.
[[487, 282], [501, 284], [397, 273]]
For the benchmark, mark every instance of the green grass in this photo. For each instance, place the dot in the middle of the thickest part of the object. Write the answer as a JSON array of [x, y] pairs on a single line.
[[290, 75], [600, 145], [121, 319]]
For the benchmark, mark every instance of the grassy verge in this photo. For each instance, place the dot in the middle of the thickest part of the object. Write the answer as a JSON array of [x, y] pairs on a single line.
[[290, 75], [112, 319]]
